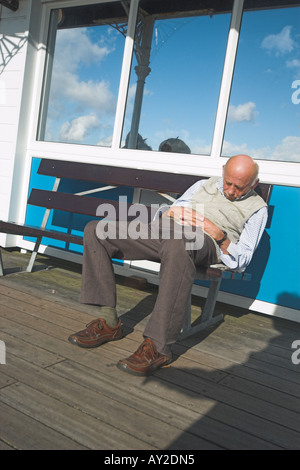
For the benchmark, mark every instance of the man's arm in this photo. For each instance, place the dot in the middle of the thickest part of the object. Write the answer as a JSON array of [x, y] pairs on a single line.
[[182, 201], [238, 255]]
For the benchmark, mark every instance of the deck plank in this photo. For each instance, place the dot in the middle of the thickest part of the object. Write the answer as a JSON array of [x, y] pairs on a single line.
[[231, 387], [19, 431]]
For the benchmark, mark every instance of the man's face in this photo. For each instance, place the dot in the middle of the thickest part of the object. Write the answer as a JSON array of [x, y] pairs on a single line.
[[236, 184]]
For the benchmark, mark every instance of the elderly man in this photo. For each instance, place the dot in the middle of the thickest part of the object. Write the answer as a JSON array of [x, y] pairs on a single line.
[[232, 224]]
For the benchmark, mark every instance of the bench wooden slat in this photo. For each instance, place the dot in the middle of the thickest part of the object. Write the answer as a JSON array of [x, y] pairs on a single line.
[[32, 231], [203, 273], [117, 176], [144, 179], [66, 202], [85, 205]]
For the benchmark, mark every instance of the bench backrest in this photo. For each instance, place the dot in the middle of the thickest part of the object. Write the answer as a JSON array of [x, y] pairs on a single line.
[[117, 176], [135, 178], [161, 182]]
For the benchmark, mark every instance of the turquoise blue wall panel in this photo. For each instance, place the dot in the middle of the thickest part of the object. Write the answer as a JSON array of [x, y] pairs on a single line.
[[275, 268], [281, 280]]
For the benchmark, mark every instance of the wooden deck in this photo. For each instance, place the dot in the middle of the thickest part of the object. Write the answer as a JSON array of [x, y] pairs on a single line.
[[234, 387]]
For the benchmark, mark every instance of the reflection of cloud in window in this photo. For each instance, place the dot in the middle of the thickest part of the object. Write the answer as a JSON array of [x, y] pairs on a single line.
[[76, 130], [294, 65], [273, 133], [280, 43], [75, 55], [242, 112], [290, 146], [74, 47], [90, 94], [288, 149]]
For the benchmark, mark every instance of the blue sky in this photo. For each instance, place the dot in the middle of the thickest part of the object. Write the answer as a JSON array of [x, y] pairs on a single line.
[[181, 92]]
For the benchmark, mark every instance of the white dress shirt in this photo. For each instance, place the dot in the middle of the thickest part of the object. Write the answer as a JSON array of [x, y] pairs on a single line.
[[240, 253]]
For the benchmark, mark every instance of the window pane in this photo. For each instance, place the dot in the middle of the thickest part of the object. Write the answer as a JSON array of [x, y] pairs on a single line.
[[82, 82], [263, 117], [180, 95]]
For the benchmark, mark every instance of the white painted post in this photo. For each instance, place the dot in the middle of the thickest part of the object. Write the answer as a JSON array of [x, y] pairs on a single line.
[[228, 70], [125, 74]]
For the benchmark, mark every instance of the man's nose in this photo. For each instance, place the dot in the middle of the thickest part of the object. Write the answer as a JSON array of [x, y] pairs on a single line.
[[231, 191]]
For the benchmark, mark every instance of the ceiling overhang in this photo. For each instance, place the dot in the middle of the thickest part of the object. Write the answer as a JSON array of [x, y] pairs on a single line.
[[85, 15], [11, 4]]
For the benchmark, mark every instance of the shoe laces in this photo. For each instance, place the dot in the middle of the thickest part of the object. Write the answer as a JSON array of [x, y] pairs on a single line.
[[95, 325], [148, 349]]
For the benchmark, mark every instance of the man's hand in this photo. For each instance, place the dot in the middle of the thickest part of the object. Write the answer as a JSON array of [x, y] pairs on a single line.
[[187, 216]]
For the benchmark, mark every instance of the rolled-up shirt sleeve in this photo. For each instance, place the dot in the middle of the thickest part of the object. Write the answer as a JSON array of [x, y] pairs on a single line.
[[240, 253], [183, 201]]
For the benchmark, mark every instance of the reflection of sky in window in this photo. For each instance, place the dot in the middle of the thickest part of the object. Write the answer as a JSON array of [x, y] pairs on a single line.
[[181, 92], [84, 85], [262, 119]]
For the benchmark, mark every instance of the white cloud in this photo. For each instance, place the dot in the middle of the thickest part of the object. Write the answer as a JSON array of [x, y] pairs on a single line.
[[73, 46], [90, 94], [280, 43], [234, 149], [77, 100], [295, 63], [287, 151], [76, 130], [73, 50], [105, 142], [242, 112]]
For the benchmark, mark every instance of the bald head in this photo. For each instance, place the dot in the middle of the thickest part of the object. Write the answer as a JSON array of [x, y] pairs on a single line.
[[243, 166], [240, 174]]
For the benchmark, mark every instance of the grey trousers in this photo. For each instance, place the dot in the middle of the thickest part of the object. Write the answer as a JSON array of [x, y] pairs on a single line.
[[175, 278]]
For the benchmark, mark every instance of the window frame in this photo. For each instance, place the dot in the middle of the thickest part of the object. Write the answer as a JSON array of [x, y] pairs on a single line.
[[281, 173]]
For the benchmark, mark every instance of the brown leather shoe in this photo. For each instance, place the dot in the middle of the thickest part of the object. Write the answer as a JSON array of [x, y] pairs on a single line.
[[145, 360], [96, 333]]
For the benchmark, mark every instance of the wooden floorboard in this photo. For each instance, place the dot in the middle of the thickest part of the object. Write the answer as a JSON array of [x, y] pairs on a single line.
[[231, 387]]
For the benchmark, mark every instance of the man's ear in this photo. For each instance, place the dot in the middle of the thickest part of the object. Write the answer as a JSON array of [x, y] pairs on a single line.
[[255, 184]]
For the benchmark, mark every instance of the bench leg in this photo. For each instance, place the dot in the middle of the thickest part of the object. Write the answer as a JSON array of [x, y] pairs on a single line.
[[188, 317], [43, 225], [33, 255], [207, 317]]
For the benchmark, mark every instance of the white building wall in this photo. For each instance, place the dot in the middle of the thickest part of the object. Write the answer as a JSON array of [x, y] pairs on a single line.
[[18, 34]]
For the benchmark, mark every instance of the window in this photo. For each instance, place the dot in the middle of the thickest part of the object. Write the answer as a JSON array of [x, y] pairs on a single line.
[[264, 111], [175, 79], [85, 51]]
